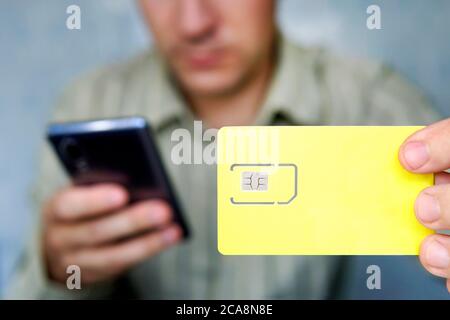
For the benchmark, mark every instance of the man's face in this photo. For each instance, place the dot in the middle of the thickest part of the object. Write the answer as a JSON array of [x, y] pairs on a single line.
[[212, 46]]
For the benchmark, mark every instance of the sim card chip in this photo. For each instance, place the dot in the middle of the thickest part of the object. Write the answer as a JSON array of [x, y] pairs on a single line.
[[254, 184], [254, 181]]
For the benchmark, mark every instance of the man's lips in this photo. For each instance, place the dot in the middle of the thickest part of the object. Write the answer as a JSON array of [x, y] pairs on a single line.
[[203, 59]]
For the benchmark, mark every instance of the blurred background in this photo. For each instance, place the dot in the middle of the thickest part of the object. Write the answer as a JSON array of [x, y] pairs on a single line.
[[39, 56]]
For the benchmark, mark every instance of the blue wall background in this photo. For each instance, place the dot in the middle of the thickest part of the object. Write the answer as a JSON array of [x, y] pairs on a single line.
[[39, 56]]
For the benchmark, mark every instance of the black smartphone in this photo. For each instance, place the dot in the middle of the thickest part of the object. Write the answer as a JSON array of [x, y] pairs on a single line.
[[119, 150]]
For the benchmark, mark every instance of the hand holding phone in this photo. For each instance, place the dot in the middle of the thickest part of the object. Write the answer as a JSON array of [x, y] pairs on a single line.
[[120, 210], [91, 227]]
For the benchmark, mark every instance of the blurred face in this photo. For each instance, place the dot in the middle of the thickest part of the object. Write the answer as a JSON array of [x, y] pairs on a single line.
[[212, 46]]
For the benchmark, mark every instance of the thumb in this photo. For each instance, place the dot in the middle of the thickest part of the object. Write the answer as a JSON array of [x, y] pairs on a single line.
[[427, 150]]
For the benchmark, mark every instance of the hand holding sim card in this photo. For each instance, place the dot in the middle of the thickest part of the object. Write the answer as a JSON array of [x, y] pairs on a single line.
[[316, 191]]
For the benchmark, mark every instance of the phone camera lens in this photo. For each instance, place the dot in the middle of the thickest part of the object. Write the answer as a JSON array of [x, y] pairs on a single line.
[[72, 150]]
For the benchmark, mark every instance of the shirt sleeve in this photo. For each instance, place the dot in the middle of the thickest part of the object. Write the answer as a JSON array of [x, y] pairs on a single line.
[[395, 100]]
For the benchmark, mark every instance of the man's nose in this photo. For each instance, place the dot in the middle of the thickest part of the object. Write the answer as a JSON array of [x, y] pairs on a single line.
[[197, 19]]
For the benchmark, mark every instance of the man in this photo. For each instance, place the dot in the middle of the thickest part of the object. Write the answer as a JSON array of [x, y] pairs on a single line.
[[222, 62]]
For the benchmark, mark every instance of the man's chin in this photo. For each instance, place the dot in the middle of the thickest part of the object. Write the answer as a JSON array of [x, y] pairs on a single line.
[[208, 87]]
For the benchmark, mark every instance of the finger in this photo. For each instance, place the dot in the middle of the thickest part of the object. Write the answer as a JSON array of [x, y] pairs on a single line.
[[435, 255], [77, 203], [432, 207], [131, 221], [427, 150], [442, 178], [115, 259]]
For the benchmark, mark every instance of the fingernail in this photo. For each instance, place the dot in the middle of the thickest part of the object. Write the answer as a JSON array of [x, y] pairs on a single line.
[[416, 154], [159, 214], [427, 208], [437, 256], [116, 197], [171, 235]]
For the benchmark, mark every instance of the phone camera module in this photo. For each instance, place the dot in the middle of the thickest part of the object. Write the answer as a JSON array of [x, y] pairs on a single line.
[[74, 153]]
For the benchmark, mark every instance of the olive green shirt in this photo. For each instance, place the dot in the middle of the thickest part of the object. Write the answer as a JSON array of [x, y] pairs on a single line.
[[310, 87]]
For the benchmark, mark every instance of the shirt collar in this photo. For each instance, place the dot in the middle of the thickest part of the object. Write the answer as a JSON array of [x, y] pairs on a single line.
[[164, 101], [295, 91]]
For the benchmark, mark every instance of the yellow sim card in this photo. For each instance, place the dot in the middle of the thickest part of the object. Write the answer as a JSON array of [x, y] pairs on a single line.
[[316, 191]]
